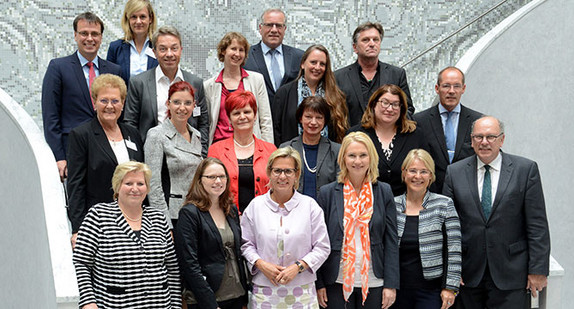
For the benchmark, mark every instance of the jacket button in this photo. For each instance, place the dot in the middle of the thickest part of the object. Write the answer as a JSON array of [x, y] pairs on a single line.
[[257, 179], [256, 192]]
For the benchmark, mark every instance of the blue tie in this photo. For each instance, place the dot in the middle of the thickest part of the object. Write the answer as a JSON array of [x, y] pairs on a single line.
[[449, 136], [275, 71], [486, 201]]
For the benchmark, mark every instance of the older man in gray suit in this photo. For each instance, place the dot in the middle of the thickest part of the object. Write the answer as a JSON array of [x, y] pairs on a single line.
[[505, 237], [147, 93]]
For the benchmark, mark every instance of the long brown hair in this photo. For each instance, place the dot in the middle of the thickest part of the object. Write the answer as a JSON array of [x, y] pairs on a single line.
[[403, 124], [199, 197], [334, 96]]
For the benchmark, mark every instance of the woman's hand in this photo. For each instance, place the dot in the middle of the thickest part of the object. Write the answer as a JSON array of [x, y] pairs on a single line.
[[447, 297], [389, 296], [73, 240], [287, 274], [90, 306], [322, 297], [270, 270]]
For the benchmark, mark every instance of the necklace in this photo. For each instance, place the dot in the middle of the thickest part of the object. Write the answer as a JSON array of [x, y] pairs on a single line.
[[312, 170], [243, 146], [130, 219]]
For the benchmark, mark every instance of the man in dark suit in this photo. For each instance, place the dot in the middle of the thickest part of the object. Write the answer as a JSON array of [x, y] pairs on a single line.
[[446, 126], [148, 91], [360, 79], [279, 63], [505, 237], [66, 101]]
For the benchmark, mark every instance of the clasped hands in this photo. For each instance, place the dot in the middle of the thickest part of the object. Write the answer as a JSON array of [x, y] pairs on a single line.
[[277, 274]]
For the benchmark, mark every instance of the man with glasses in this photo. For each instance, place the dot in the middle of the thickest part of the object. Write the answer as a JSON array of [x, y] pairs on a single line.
[[66, 100], [505, 237], [359, 80], [446, 126], [279, 63], [148, 92]]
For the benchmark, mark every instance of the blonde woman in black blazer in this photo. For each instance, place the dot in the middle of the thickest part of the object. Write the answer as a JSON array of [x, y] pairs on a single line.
[[96, 147], [208, 242]]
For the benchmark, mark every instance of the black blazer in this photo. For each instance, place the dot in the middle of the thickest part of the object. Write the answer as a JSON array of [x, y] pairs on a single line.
[[119, 53], [382, 228], [66, 101], [390, 172], [431, 125], [91, 165], [201, 255], [514, 241], [348, 80], [291, 59]]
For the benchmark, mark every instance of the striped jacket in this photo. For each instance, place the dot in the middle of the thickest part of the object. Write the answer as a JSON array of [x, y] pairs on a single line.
[[438, 214], [116, 269]]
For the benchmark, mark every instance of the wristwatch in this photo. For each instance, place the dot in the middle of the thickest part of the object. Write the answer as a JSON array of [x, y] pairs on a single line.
[[301, 267]]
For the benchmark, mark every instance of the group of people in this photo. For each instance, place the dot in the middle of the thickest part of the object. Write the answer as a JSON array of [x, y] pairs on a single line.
[[365, 204]]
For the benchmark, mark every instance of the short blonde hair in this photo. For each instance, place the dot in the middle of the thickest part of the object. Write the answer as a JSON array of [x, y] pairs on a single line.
[[133, 6], [421, 155], [286, 152], [227, 40], [128, 167], [359, 137], [109, 81]]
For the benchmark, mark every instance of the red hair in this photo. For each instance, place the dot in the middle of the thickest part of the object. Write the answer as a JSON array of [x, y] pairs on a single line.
[[177, 87], [239, 99]]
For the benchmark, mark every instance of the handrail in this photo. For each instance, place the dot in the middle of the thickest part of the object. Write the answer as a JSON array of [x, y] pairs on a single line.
[[453, 34]]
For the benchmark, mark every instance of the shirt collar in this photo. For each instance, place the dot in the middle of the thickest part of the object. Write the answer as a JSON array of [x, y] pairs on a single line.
[[146, 43], [219, 78], [496, 164], [159, 75], [443, 110], [83, 60], [265, 48], [289, 205]]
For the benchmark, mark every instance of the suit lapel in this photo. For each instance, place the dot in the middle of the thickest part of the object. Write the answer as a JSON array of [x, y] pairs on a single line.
[[462, 132], [125, 58], [470, 172], [102, 140], [506, 170], [322, 152], [152, 93], [436, 125], [398, 145], [339, 205], [260, 62], [287, 59], [125, 135], [354, 78], [212, 227], [81, 78]]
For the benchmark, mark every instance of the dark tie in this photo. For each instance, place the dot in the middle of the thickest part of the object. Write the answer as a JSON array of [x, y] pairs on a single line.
[[449, 135], [91, 77], [275, 70], [486, 201]]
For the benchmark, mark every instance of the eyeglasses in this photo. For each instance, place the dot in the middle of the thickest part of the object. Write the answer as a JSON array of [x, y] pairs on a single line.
[[106, 101], [448, 86], [288, 171], [94, 34], [215, 177], [385, 104], [271, 25], [489, 138], [414, 171], [179, 102]]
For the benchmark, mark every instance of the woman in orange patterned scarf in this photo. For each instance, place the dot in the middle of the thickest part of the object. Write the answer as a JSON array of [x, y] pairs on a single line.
[[362, 270]]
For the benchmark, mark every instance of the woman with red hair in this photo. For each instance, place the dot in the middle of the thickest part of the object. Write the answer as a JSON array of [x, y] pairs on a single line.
[[244, 155], [173, 152]]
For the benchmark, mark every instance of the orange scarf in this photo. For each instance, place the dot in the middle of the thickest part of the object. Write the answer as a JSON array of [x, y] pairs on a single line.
[[358, 212]]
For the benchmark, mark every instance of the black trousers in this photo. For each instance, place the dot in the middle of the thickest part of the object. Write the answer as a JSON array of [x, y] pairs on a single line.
[[335, 298], [417, 299]]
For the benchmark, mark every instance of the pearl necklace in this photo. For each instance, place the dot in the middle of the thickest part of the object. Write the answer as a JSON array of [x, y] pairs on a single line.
[[130, 219], [243, 146], [312, 170]]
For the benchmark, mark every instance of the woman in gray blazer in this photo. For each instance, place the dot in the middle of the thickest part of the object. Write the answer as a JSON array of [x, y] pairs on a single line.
[[319, 154], [173, 152], [232, 51]]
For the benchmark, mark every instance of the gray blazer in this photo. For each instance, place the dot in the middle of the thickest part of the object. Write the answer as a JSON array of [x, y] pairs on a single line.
[[141, 104], [263, 127], [173, 162], [327, 167], [514, 241]]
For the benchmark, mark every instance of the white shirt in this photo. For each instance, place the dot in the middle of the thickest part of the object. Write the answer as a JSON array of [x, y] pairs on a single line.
[[138, 61], [121, 151], [86, 70], [265, 49], [495, 167], [374, 282], [454, 117], [162, 85]]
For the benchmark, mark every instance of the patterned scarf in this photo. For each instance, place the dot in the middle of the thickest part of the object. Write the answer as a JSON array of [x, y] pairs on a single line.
[[358, 211]]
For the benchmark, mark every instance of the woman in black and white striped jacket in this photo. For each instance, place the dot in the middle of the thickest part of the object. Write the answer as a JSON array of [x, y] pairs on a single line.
[[429, 239], [124, 254]]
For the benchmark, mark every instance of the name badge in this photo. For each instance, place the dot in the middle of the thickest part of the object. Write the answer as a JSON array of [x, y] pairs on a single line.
[[149, 52], [131, 145], [196, 111]]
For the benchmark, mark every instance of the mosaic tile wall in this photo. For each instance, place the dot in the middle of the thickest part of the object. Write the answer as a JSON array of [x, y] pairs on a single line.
[[34, 31]]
